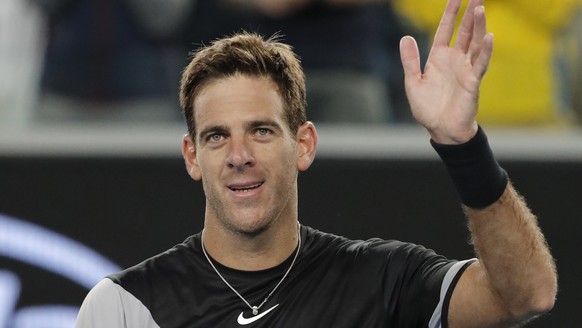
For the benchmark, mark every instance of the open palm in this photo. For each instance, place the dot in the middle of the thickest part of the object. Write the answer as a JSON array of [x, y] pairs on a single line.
[[444, 97]]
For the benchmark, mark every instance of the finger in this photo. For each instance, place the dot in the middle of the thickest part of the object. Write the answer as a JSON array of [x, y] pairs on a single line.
[[410, 57], [479, 32], [482, 61], [465, 32], [446, 27]]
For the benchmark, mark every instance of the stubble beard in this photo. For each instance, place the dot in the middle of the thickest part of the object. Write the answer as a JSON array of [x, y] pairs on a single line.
[[248, 226]]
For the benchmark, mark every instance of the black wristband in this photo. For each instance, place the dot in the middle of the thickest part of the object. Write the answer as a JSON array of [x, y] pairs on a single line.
[[477, 176]]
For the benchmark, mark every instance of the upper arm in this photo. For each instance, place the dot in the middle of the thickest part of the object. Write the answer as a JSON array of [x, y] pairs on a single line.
[[474, 303], [419, 285]]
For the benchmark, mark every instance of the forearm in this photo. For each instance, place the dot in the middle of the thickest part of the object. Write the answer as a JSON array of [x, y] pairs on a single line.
[[515, 278], [514, 255]]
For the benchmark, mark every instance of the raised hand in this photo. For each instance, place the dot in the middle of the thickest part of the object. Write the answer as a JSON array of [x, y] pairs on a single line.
[[444, 98]]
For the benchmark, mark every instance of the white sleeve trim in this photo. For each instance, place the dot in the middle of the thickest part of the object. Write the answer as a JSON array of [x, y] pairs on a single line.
[[108, 305], [435, 320]]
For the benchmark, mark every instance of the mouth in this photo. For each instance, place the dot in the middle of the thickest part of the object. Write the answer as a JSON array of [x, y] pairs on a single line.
[[244, 188]]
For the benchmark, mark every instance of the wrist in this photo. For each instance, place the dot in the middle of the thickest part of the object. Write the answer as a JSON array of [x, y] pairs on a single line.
[[478, 178], [459, 136]]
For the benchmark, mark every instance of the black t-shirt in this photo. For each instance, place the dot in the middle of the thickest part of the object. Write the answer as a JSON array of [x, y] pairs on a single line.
[[335, 282]]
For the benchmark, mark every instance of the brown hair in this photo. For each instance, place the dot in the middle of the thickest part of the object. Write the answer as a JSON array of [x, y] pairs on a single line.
[[248, 54]]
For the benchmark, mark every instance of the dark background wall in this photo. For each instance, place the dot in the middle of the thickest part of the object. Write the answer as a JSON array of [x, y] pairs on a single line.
[[129, 208]]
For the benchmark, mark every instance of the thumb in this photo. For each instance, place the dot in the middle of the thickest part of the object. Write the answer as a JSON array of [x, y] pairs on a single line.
[[410, 57]]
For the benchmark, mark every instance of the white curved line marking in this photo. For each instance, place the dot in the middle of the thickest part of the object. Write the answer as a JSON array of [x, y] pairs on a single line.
[[46, 249]]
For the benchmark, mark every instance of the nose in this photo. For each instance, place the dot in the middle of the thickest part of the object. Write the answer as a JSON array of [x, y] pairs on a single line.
[[240, 155]]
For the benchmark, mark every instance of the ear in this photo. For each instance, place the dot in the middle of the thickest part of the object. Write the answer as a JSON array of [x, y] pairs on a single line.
[[307, 145], [189, 154]]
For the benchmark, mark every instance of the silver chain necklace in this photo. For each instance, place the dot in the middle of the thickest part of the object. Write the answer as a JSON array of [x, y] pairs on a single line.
[[255, 308]]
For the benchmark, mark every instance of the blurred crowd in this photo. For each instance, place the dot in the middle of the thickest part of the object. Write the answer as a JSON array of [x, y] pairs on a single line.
[[119, 61]]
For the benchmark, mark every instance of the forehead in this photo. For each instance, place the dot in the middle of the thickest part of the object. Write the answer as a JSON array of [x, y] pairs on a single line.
[[238, 97]]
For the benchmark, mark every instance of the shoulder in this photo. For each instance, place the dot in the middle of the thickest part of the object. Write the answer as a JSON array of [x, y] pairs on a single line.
[[109, 305], [391, 258], [124, 299], [104, 293], [161, 273], [374, 247], [171, 262]]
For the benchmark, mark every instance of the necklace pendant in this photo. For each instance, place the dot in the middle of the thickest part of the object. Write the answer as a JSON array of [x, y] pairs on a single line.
[[255, 310]]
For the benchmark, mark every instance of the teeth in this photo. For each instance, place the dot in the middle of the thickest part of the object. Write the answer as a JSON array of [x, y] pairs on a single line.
[[246, 189]]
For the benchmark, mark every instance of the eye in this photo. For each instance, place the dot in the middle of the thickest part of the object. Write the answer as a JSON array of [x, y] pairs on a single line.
[[263, 132], [216, 137]]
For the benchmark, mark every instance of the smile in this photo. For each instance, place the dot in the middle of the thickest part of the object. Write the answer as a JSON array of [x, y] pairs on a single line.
[[245, 188]]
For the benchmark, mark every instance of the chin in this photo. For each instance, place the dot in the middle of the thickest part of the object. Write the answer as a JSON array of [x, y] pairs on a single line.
[[250, 227]]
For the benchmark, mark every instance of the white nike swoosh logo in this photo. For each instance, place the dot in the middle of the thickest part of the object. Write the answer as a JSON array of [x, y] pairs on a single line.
[[244, 321]]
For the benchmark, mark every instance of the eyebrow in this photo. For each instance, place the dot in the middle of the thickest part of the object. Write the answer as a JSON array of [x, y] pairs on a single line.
[[260, 123]]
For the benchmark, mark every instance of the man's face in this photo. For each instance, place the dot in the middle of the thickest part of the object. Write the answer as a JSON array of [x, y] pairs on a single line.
[[245, 154]]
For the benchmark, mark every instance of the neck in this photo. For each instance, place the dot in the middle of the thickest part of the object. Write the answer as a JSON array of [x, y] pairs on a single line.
[[264, 250]]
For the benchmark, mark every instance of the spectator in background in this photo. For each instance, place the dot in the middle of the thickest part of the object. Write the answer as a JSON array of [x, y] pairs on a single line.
[[348, 49], [212, 19], [21, 45], [521, 87], [114, 60]]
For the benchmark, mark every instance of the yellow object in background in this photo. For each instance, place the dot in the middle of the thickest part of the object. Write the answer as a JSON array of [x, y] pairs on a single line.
[[522, 84]]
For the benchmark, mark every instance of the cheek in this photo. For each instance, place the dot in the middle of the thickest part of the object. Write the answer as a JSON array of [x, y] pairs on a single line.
[[286, 163], [283, 153], [210, 182], [207, 167]]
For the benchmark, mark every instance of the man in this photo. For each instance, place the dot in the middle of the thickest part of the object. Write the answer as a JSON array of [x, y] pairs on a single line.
[[254, 264]]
